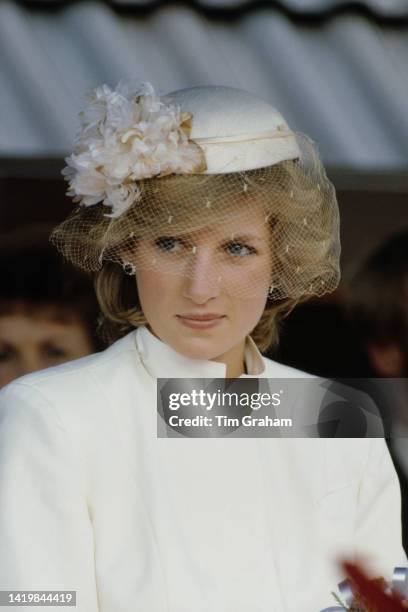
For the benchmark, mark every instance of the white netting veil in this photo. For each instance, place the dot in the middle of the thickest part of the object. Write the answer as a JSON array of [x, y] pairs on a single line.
[[208, 184]]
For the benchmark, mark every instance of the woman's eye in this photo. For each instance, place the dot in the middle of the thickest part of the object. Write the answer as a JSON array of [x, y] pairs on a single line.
[[54, 352], [169, 244], [239, 250], [5, 355]]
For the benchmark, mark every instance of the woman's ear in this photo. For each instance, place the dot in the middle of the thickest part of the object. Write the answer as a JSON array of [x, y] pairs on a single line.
[[386, 359]]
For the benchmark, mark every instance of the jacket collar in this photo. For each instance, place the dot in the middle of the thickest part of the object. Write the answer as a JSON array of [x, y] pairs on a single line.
[[161, 361]]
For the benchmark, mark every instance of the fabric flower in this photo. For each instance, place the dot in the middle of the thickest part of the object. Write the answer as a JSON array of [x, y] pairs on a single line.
[[128, 134]]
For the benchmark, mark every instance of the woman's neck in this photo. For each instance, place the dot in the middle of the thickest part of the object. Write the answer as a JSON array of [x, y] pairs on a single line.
[[234, 358]]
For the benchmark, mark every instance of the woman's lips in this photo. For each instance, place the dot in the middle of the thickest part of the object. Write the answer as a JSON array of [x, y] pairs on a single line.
[[201, 321]]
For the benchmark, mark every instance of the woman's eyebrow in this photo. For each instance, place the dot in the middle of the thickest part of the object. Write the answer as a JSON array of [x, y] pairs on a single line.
[[244, 237], [232, 236]]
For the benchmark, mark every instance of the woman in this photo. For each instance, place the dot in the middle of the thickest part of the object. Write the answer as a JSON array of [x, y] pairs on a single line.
[[226, 219], [48, 309]]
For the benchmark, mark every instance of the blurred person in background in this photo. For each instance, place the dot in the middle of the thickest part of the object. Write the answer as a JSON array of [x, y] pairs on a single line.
[[379, 307], [48, 312], [377, 304]]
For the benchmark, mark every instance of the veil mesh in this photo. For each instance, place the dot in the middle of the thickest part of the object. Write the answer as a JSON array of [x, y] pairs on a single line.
[[272, 231]]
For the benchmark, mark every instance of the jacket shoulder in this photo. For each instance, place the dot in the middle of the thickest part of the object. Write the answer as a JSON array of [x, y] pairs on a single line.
[[79, 378]]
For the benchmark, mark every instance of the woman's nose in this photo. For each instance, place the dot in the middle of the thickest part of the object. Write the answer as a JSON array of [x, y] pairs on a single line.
[[202, 281]]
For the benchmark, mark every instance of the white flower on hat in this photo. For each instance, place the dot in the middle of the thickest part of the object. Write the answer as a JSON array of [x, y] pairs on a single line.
[[126, 135]]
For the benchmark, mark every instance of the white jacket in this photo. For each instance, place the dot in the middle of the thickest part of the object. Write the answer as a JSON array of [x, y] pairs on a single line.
[[93, 501]]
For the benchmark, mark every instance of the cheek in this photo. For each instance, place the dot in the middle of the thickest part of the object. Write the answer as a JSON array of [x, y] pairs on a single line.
[[8, 372], [249, 283], [80, 344], [250, 310], [155, 289], [261, 272]]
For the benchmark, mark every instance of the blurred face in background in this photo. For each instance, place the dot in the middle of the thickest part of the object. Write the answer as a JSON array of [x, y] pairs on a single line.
[[35, 338], [389, 358]]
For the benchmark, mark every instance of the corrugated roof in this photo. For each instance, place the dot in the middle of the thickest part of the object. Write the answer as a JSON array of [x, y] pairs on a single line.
[[343, 81], [381, 8]]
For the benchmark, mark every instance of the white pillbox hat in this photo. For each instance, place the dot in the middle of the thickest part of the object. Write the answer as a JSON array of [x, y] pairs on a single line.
[[236, 130]]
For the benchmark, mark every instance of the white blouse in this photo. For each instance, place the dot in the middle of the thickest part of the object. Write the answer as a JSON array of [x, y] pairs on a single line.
[[93, 501]]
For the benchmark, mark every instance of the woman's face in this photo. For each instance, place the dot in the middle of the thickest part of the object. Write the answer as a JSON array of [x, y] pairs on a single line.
[[31, 341], [222, 272]]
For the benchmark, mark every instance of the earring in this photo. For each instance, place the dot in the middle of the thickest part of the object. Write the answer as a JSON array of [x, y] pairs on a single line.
[[129, 268]]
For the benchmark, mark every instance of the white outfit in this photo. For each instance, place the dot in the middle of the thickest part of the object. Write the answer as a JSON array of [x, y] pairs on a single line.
[[93, 501]]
